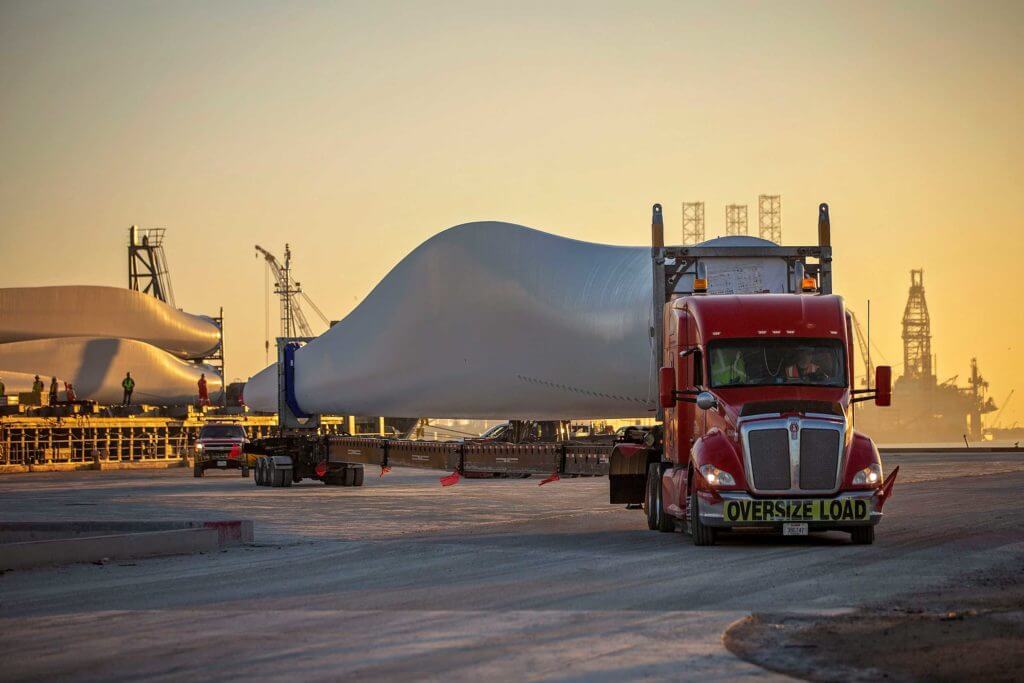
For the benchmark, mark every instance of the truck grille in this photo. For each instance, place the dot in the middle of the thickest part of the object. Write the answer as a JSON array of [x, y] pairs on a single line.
[[793, 455], [769, 459], [819, 458]]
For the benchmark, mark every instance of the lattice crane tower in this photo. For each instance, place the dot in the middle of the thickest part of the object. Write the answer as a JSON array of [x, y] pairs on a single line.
[[769, 214], [736, 219], [693, 222]]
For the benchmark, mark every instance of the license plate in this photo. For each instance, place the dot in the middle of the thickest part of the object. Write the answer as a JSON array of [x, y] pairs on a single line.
[[817, 510], [794, 529], [222, 463]]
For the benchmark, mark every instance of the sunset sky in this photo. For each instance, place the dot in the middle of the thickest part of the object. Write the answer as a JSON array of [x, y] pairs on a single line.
[[354, 131]]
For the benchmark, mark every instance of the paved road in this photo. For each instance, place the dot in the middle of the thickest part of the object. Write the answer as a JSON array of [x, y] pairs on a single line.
[[499, 579]]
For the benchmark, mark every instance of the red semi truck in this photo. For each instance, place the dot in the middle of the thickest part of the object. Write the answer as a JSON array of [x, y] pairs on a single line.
[[756, 394], [756, 400]]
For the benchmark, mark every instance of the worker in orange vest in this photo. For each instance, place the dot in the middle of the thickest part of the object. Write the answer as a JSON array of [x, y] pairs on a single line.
[[204, 395]]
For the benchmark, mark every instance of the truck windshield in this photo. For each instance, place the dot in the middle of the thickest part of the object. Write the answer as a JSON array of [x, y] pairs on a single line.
[[760, 362], [222, 432]]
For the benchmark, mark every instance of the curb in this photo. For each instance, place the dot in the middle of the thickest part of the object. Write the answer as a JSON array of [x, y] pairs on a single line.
[[24, 545]]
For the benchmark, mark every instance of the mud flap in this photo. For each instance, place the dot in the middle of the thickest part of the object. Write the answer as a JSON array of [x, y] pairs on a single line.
[[886, 489], [627, 474]]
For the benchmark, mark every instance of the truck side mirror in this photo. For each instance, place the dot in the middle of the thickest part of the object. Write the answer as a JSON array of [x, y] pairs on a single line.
[[667, 387], [706, 400], [883, 385]]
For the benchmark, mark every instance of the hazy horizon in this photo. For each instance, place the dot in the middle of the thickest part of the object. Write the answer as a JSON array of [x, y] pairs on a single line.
[[355, 131]]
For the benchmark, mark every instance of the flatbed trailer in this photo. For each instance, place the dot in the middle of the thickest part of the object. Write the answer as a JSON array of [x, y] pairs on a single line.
[[340, 460]]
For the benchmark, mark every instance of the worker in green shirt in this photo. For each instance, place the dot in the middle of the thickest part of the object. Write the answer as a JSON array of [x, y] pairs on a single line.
[[727, 367], [129, 386], [3, 390]]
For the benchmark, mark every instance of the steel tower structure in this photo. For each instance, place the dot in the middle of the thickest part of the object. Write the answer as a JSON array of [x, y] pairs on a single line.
[[736, 219], [693, 222], [917, 331], [147, 263], [769, 215]]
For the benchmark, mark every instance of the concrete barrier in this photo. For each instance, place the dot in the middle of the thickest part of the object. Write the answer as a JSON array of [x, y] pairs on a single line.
[[33, 544]]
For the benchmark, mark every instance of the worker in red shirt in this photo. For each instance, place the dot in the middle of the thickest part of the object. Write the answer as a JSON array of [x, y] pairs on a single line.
[[204, 394]]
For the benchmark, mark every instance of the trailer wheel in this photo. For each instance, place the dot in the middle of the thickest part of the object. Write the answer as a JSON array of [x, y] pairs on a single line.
[[261, 472], [348, 476], [862, 535], [701, 534], [358, 479]]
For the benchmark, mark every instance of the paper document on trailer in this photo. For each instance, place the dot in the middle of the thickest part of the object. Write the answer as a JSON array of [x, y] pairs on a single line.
[[744, 279]]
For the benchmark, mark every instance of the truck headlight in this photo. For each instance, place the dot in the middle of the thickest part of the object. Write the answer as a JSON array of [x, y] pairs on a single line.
[[716, 477], [872, 474], [199, 446]]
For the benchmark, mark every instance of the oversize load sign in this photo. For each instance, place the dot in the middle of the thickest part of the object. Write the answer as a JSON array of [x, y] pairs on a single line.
[[796, 510]]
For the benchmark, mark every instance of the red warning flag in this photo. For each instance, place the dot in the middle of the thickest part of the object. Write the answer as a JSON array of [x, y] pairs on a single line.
[[321, 469], [384, 470], [451, 480], [553, 477], [236, 452], [886, 489]]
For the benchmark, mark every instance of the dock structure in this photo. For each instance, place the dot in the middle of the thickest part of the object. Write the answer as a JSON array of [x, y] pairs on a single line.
[[91, 442]]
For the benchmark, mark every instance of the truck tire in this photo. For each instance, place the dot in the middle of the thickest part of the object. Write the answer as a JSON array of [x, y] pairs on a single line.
[[862, 535], [701, 534], [197, 470], [245, 468], [358, 479], [261, 472], [666, 522], [651, 496]]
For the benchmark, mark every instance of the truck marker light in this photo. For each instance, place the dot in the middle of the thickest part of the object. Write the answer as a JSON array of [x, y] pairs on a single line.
[[808, 284], [762, 331]]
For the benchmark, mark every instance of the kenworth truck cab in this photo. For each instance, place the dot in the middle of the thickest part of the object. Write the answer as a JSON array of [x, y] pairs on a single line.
[[756, 394]]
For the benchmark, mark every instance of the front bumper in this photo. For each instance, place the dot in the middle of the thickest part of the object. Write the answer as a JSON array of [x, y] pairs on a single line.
[[712, 513]]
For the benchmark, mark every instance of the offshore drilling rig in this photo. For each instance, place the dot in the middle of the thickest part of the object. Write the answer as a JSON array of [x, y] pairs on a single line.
[[923, 408]]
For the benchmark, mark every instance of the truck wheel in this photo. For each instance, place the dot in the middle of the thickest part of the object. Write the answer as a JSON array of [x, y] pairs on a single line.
[[261, 472], [286, 477], [862, 535], [197, 470], [650, 496], [701, 534], [666, 522], [348, 477], [358, 480], [245, 468]]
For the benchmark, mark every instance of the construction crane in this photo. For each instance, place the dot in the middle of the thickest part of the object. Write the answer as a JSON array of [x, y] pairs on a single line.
[[293, 319], [865, 351]]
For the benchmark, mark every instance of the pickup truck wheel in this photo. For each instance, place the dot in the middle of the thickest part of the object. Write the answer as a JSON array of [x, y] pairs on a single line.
[[650, 497], [862, 535], [197, 470], [701, 534]]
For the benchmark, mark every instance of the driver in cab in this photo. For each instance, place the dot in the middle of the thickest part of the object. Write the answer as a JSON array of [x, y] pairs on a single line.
[[805, 368]]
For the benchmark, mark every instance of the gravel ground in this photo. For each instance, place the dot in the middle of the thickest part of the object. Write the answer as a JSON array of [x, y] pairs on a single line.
[[496, 578]]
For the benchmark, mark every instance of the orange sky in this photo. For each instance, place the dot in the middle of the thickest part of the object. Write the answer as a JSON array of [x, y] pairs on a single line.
[[355, 131]]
